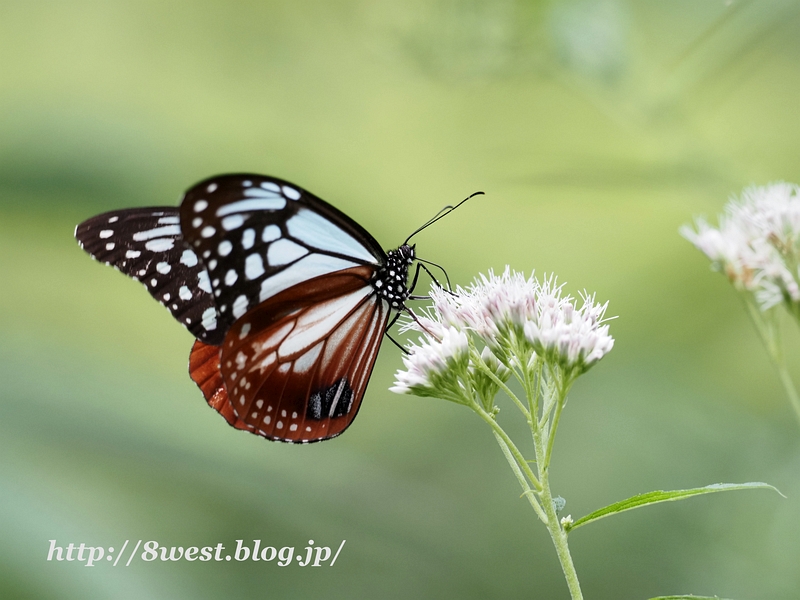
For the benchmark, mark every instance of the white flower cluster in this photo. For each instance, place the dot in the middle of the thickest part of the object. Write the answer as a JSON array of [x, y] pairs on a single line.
[[428, 364], [573, 337], [757, 244], [515, 319]]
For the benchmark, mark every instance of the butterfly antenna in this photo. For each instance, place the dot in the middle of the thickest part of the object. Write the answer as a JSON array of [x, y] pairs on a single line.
[[442, 213]]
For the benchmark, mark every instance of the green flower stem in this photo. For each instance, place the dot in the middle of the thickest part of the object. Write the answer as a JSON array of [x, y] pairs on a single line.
[[563, 389], [791, 391], [770, 336], [541, 498], [549, 399], [533, 395], [476, 358], [551, 434], [516, 454], [529, 493], [557, 533]]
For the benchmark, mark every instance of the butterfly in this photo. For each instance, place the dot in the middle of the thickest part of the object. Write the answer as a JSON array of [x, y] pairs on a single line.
[[288, 298]]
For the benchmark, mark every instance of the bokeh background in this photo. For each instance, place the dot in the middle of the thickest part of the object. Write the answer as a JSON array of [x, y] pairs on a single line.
[[595, 127]]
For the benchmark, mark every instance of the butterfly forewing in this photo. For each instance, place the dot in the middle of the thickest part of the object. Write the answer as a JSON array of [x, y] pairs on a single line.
[[147, 244], [295, 367], [260, 236]]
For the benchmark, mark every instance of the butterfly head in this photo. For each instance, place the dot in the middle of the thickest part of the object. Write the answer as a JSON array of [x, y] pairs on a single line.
[[390, 281]]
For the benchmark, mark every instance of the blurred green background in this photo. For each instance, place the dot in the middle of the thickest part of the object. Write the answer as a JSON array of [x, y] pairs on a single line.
[[595, 127]]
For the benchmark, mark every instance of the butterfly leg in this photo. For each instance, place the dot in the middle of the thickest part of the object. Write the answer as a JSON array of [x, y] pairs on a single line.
[[435, 281], [389, 326], [438, 266]]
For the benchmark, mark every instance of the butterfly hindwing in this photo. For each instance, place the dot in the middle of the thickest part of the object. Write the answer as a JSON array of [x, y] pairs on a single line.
[[296, 367], [205, 372], [259, 236], [147, 245]]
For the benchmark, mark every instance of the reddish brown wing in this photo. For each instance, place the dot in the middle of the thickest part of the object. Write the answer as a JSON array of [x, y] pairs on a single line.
[[295, 367], [204, 370]]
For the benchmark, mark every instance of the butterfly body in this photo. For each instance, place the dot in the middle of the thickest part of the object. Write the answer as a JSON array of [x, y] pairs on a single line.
[[287, 296]]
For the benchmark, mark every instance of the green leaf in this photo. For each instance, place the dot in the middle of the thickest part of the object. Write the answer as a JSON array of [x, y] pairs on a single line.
[[662, 496]]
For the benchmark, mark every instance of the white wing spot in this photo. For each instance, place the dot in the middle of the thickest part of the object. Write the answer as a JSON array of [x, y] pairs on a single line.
[[169, 220], [257, 200], [248, 238], [196, 222], [160, 244], [283, 413], [113, 219], [142, 273], [247, 183], [204, 283], [158, 232], [133, 254], [232, 222], [184, 293], [293, 427], [163, 268], [279, 425], [253, 266], [268, 185], [166, 297], [224, 248], [230, 277], [243, 333], [308, 428], [201, 205], [209, 319], [153, 282], [212, 264], [189, 258], [240, 306], [290, 193], [267, 419], [294, 415], [283, 252], [110, 246], [212, 188], [208, 231], [106, 233], [259, 404], [270, 233]]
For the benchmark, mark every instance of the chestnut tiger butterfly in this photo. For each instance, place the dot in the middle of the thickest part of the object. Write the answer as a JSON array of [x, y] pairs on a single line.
[[288, 298]]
